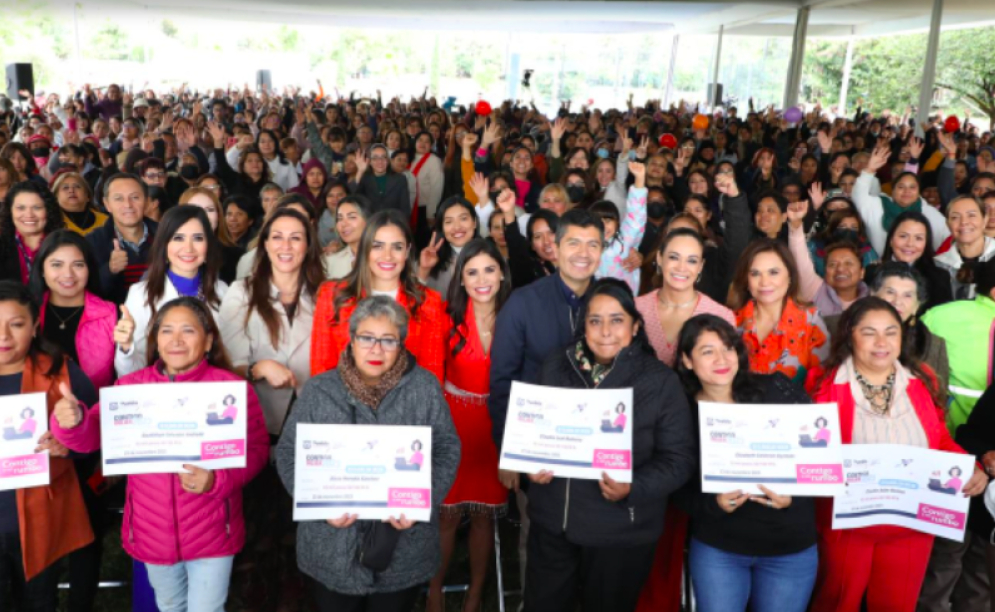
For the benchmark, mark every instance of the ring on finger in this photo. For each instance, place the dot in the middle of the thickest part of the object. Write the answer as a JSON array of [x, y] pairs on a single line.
[[732, 503], [770, 503]]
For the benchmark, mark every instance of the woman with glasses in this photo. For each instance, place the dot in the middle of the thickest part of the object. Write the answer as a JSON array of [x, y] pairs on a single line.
[[375, 179]]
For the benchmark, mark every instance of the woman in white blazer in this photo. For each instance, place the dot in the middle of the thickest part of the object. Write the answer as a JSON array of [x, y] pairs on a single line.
[[184, 261], [266, 318]]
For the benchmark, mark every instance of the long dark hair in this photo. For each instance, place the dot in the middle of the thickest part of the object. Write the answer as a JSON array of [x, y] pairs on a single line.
[[52, 243], [842, 346], [739, 290], [925, 263], [14, 291], [745, 385], [276, 145], [446, 252], [171, 222], [8, 150], [458, 300], [53, 214], [244, 155], [217, 356], [357, 284], [619, 291], [309, 278]]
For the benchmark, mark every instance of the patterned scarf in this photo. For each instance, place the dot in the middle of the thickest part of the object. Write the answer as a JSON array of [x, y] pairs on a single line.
[[589, 367], [371, 396]]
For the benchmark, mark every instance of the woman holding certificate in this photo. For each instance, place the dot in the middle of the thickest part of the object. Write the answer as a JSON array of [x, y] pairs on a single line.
[[184, 261], [58, 525], [377, 382], [756, 550], [384, 266], [595, 540], [185, 527], [885, 396]]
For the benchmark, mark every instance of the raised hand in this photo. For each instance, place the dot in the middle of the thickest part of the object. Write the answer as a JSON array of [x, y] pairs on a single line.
[[362, 163], [124, 330], [491, 135], [480, 186], [67, 411], [797, 212], [948, 144], [217, 133], [643, 147], [916, 146], [198, 481], [559, 129], [726, 185], [817, 195], [469, 141], [638, 171], [879, 158], [429, 256], [506, 204]]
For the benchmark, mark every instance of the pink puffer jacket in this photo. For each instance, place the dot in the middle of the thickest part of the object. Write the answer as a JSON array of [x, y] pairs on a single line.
[[164, 524], [94, 338]]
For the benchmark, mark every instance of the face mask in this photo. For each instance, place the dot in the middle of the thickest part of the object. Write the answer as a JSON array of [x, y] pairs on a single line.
[[576, 193], [41, 152], [656, 210], [846, 234], [632, 155], [603, 153], [493, 195], [189, 171]]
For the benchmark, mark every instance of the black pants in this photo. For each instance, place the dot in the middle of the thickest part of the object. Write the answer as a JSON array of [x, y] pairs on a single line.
[[38, 595], [84, 564], [332, 601], [604, 579]]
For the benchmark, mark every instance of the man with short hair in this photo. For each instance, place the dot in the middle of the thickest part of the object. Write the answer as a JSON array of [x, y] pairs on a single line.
[[122, 246]]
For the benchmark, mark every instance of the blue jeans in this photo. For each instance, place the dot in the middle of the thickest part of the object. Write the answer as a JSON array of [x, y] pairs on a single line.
[[191, 586], [726, 582]]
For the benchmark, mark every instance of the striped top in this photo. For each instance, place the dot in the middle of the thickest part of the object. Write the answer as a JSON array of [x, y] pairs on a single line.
[[665, 351]]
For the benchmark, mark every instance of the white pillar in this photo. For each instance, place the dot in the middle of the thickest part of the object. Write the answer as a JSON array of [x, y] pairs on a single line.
[[668, 91], [845, 85], [716, 67], [79, 55], [794, 82], [929, 67]]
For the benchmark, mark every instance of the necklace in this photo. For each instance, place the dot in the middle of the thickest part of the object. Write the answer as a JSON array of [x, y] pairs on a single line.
[[62, 322], [693, 300], [879, 396]]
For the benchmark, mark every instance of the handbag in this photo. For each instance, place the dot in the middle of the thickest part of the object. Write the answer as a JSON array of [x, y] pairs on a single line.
[[379, 541]]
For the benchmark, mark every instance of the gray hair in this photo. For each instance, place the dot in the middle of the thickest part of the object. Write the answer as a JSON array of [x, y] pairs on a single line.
[[376, 307], [897, 269]]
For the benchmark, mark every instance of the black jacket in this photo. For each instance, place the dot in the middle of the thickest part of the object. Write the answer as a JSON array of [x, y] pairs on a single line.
[[752, 530], [720, 262], [977, 436], [663, 453], [395, 195], [523, 262], [113, 287]]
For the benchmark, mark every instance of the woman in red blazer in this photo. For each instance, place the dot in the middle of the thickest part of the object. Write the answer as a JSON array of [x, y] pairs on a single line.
[[384, 266], [885, 396]]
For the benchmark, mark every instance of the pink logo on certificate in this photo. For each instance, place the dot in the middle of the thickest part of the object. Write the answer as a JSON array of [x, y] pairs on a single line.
[[612, 459], [813, 473], [25, 465], [222, 449], [942, 516], [409, 498]]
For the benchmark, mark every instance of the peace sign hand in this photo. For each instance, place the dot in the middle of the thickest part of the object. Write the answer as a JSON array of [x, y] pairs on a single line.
[[429, 257]]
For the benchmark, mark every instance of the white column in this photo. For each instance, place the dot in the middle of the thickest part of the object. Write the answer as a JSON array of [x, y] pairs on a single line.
[[79, 54], [716, 67], [794, 82], [845, 85], [668, 91], [929, 67]]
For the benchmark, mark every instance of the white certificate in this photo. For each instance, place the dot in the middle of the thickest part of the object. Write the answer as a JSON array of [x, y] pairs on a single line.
[[574, 433], [155, 429], [791, 449], [375, 471], [25, 421], [907, 486]]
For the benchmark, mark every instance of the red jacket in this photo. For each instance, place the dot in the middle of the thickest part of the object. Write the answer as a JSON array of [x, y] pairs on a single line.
[[163, 523], [426, 340]]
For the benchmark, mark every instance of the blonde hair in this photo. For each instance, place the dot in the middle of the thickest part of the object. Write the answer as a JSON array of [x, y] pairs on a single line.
[[222, 232], [62, 178]]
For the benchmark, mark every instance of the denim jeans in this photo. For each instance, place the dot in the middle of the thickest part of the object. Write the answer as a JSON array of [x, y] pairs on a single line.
[[726, 582], [191, 586]]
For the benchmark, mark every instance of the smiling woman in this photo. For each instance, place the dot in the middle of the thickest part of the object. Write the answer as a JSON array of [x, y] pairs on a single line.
[[28, 214]]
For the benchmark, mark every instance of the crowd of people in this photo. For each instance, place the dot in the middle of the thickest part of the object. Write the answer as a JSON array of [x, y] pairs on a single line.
[[388, 262]]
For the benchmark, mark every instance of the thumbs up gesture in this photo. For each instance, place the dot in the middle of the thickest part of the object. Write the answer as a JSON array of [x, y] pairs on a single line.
[[119, 258], [67, 411], [124, 331]]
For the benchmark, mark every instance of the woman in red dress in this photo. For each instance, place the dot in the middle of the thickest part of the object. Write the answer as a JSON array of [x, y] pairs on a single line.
[[481, 284]]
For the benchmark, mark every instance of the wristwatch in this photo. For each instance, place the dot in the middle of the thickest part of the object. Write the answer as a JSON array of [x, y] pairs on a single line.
[[248, 372]]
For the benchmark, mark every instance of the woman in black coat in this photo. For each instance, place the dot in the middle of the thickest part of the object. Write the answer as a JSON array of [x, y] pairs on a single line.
[[376, 180], [594, 541]]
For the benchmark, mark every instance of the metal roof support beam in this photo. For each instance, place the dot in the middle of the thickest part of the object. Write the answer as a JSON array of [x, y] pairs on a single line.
[[845, 85], [794, 83], [668, 92], [716, 68], [929, 67]]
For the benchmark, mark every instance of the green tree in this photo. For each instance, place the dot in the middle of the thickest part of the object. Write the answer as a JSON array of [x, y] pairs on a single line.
[[966, 67], [109, 43]]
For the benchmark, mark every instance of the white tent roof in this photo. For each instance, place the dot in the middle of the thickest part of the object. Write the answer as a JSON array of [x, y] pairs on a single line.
[[765, 18]]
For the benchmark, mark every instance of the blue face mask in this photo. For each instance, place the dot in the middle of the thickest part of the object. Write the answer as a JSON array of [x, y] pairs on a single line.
[[603, 153], [632, 155]]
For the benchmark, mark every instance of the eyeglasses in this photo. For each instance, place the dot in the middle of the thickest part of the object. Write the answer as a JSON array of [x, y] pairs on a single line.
[[389, 345]]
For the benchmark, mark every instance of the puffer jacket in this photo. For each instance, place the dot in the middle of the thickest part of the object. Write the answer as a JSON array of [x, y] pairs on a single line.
[[163, 523], [664, 455], [94, 338], [330, 555]]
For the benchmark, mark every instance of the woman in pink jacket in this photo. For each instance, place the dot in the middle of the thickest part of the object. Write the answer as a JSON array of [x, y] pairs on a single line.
[[185, 527]]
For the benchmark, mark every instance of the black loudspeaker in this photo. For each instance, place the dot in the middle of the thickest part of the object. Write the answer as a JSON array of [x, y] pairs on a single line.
[[19, 76], [715, 94], [264, 78]]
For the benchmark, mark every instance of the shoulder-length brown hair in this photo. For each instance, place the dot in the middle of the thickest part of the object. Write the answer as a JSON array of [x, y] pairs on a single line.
[[217, 356], [359, 284], [739, 290], [309, 278], [842, 345], [171, 222]]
